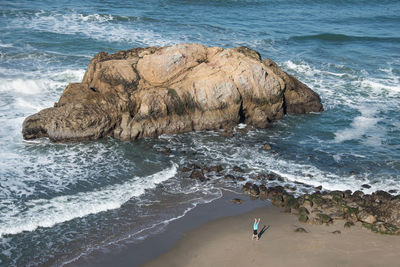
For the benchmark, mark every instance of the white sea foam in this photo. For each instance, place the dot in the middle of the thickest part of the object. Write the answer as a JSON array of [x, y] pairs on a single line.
[[379, 84], [359, 129], [96, 26], [40, 84], [48, 212], [259, 161], [5, 45]]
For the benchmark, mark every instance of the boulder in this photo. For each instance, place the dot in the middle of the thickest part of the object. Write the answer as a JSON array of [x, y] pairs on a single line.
[[185, 169], [267, 147], [324, 218], [146, 92], [217, 168], [366, 217], [237, 169], [303, 218], [318, 188], [230, 177], [260, 176], [237, 201], [196, 174], [300, 230], [247, 186], [254, 190], [263, 189]]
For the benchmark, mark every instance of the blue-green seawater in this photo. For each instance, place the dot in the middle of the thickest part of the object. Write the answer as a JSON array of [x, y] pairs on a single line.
[[61, 201]]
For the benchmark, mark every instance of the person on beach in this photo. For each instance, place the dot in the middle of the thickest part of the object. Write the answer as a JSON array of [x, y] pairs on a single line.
[[255, 229]]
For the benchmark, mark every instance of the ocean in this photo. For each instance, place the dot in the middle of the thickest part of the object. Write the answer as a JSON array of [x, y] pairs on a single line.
[[61, 201]]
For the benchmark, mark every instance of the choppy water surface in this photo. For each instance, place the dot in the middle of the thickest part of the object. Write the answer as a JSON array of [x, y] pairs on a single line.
[[59, 201]]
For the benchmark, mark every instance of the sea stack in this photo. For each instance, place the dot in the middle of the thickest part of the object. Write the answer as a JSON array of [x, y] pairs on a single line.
[[145, 92]]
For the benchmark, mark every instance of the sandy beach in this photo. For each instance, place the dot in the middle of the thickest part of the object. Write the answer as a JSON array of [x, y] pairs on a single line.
[[227, 242]]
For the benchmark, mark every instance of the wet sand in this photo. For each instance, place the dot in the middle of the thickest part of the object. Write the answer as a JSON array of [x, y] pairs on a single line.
[[227, 242], [137, 253]]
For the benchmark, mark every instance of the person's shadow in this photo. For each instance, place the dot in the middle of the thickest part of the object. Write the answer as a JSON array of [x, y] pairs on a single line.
[[265, 228]]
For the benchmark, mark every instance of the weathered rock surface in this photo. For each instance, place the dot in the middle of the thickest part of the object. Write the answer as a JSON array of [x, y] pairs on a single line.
[[145, 92], [379, 212]]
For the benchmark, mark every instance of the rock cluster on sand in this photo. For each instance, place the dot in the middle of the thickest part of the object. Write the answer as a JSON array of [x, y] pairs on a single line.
[[379, 211], [145, 92]]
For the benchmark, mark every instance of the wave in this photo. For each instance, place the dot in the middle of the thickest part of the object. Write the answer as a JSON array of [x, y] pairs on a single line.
[[363, 127], [104, 27], [48, 212], [5, 45], [334, 37]]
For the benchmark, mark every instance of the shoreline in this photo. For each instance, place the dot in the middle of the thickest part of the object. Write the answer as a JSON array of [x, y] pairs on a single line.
[[210, 232], [138, 253], [226, 242]]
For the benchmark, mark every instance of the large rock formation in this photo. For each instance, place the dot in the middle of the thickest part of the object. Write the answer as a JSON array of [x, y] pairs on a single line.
[[150, 91]]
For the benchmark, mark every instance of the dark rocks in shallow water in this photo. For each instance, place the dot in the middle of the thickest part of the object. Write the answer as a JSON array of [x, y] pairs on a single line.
[[194, 166], [227, 134], [263, 189], [259, 177], [237, 169], [271, 176], [237, 201], [217, 168], [196, 174], [319, 188], [185, 169], [366, 186], [267, 147], [392, 191], [229, 177], [240, 179], [167, 151], [353, 173], [247, 186], [254, 190]]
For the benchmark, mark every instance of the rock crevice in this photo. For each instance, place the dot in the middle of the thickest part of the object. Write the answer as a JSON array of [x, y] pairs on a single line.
[[145, 92]]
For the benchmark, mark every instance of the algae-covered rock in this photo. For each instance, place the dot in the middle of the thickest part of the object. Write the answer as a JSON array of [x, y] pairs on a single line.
[[324, 218], [348, 224], [303, 218], [301, 230]]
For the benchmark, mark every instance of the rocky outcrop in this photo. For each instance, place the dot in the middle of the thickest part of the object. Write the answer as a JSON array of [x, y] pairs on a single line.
[[145, 92], [379, 212]]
